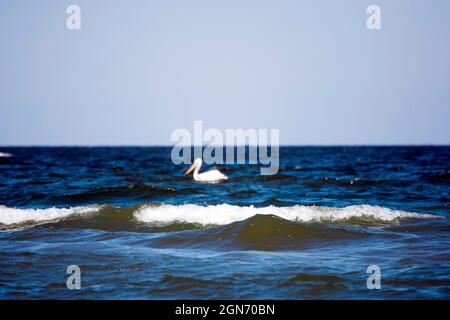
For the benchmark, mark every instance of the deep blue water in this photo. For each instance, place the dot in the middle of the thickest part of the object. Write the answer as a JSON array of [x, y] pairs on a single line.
[[138, 228]]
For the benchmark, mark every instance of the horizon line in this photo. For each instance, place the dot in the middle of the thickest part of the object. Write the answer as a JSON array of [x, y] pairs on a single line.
[[224, 146]]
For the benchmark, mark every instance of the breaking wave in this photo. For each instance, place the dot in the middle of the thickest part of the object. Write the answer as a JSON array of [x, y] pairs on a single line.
[[5, 155], [190, 216], [13, 216], [225, 214]]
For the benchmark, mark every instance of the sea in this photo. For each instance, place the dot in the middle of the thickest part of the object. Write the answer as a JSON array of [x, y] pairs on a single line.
[[334, 223]]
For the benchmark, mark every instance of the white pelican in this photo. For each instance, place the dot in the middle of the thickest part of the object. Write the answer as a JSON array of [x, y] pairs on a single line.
[[208, 176]]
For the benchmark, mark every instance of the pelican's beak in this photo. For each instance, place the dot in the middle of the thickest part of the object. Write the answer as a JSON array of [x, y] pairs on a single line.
[[190, 169]]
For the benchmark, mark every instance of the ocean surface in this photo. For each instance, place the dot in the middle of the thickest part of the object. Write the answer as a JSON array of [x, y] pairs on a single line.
[[139, 229]]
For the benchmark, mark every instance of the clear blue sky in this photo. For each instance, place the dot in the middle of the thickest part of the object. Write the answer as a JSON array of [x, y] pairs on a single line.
[[137, 70]]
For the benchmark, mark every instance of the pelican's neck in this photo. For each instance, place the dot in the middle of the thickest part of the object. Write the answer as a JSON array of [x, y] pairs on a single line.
[[197, 169]]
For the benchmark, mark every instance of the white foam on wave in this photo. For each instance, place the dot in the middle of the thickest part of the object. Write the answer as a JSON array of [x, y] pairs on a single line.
[[5, 155], [224, 214], [11, 216]]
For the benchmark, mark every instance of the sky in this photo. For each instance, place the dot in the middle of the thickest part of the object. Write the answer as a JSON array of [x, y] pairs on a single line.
[[138, 70]]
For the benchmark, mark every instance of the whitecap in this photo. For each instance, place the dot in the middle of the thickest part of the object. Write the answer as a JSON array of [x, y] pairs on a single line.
[[224, 213], [12, 216]]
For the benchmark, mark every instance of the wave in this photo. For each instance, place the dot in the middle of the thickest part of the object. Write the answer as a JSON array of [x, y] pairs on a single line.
[[14, 216], [225, 214], [164, 217], [259, 232]]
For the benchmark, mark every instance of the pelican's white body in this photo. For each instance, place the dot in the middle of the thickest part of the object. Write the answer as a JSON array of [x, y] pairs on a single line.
[[211, 176]]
